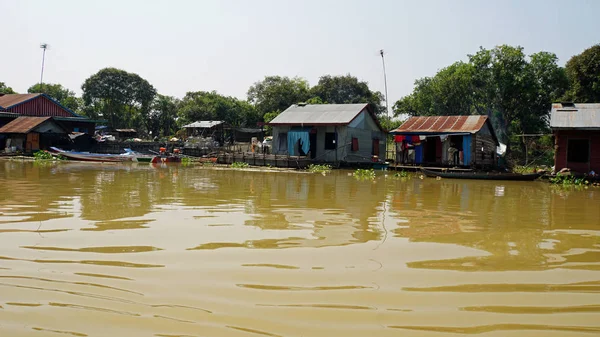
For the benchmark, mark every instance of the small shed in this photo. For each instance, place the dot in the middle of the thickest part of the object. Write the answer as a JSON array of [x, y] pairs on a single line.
[[29, 134], [206, 129], [123, 134], [347, 133], [576, 128], [468, 141]]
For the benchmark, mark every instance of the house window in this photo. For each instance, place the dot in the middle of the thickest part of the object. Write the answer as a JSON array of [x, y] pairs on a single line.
[[283, 143], [354, 144], [578, 151], [330, 141]]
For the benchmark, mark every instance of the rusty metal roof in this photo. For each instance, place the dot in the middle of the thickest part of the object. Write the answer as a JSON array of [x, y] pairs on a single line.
[[442, 124], [575, 116], [8, 100], [23, 124]]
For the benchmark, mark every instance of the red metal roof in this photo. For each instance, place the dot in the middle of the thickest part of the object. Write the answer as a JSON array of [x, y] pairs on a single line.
[[442, 124], [8, 100], [23, 124]]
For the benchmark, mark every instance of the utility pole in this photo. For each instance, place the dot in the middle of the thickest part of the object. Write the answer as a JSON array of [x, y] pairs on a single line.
[[387, 110], [44, 46]]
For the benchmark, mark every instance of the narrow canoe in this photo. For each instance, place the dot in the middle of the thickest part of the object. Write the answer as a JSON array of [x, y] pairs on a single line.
[[482, 175], [95, 157]]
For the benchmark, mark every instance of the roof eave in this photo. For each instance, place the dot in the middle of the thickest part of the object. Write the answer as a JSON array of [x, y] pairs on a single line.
[[307, 124], [592, 128]]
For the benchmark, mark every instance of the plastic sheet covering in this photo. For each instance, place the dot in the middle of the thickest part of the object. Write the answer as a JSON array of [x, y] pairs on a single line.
[[296, 134]]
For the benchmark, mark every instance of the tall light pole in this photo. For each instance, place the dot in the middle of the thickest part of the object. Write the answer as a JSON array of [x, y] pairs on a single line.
[[387, 110], [44, 46]]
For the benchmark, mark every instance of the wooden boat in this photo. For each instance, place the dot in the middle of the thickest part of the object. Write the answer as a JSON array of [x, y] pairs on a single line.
[[138, 157], [482, 175], [164, 157], [95, 157]]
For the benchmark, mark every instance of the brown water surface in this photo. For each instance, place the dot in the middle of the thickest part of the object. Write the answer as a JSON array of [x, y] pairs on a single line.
[[134, 250]]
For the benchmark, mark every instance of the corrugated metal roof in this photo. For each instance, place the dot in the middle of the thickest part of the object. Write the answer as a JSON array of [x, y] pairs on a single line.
[[8, 100], [126, 130], [442, 124], [203, 124], [575, 116], [23, 124], [319, 114]]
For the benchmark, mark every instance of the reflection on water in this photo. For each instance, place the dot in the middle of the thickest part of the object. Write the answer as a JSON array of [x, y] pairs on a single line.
[[187, 251]]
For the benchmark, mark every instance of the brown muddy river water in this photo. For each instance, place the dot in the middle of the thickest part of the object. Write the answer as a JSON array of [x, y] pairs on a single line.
[[132, 250]]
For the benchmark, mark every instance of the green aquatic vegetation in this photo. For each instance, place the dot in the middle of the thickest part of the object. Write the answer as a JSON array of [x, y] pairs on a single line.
[[569, 180], [364, 174], [316, 168], [402, 174], [185, 161], [45, 155], [239, 165]]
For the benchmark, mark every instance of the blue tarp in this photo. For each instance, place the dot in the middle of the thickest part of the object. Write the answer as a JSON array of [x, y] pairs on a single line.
[[296, 134], [466, 150], [419, 154]]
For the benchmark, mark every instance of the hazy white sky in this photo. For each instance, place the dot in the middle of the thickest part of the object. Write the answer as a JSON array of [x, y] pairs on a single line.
[[190, 45]]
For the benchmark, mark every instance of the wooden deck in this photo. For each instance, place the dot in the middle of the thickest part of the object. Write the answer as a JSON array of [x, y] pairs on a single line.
[[259, 159], [400, 167]]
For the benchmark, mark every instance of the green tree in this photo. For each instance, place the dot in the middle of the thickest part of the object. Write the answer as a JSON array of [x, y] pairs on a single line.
[[583, 71], [163, 114], [276, 93], [346, 89], [4, 89], [123, 99], [59, 93], [389, 123], [211, 106], [268, 117], [449, 92]]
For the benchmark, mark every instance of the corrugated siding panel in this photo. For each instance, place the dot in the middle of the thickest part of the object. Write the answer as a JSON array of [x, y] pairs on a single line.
[[40, 107], [562, 142]]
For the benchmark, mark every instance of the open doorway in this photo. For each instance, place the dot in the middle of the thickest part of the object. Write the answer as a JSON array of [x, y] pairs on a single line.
[[312, 138]]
